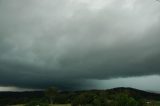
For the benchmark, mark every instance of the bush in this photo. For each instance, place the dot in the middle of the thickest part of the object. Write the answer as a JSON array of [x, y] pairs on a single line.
[[100, 101], [124, 100], [36, 103]]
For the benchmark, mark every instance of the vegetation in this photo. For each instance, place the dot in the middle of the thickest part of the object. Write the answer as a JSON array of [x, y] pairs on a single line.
[[124, 100], [51, 93], [51, 97], [36, 103]]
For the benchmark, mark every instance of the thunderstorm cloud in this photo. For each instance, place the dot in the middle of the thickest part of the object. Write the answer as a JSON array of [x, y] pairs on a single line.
[[66, 43]]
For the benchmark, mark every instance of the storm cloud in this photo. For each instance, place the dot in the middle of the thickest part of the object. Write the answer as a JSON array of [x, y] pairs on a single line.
[[66, 43]]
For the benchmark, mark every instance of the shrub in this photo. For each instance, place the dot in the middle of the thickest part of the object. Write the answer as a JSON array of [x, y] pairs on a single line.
[[36, 103], [124, 100]]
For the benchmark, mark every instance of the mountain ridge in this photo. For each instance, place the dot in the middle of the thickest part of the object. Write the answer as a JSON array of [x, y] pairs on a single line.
[[26, 96]]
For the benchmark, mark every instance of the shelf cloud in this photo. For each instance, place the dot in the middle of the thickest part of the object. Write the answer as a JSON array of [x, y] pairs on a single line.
[[65, 43]]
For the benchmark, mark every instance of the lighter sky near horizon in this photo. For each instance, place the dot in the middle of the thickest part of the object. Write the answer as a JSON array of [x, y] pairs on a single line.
[[147, 83], [79, 44]]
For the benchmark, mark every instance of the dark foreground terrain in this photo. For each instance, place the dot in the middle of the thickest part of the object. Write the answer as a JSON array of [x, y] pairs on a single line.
[[110, 97]]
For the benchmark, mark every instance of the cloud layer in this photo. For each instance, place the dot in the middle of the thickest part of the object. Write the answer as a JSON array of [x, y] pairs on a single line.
[[65, 43]]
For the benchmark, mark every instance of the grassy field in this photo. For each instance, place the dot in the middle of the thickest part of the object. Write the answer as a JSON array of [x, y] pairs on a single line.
[[156, 103], [50, 105], [62, 105], [152, 104]]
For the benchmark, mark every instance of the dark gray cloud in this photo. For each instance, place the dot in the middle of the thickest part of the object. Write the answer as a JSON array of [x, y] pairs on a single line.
[[68, 42]]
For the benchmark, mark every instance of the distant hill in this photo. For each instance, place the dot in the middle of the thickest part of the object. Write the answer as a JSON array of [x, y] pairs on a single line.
[[136, 92], [24, 97], [130, 91]]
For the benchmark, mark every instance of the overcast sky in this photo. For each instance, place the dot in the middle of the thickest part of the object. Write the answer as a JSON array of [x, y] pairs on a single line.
[[79, 44]]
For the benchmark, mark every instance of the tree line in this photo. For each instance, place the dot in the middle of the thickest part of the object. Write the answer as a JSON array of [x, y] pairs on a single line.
[[89, 99]]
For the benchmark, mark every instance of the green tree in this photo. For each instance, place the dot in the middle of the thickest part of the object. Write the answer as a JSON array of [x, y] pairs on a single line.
[[51, 93], [124, 100], [83, 99], [96, 102], [36, 103], [100, 101], [79, 100], [141, 102]]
